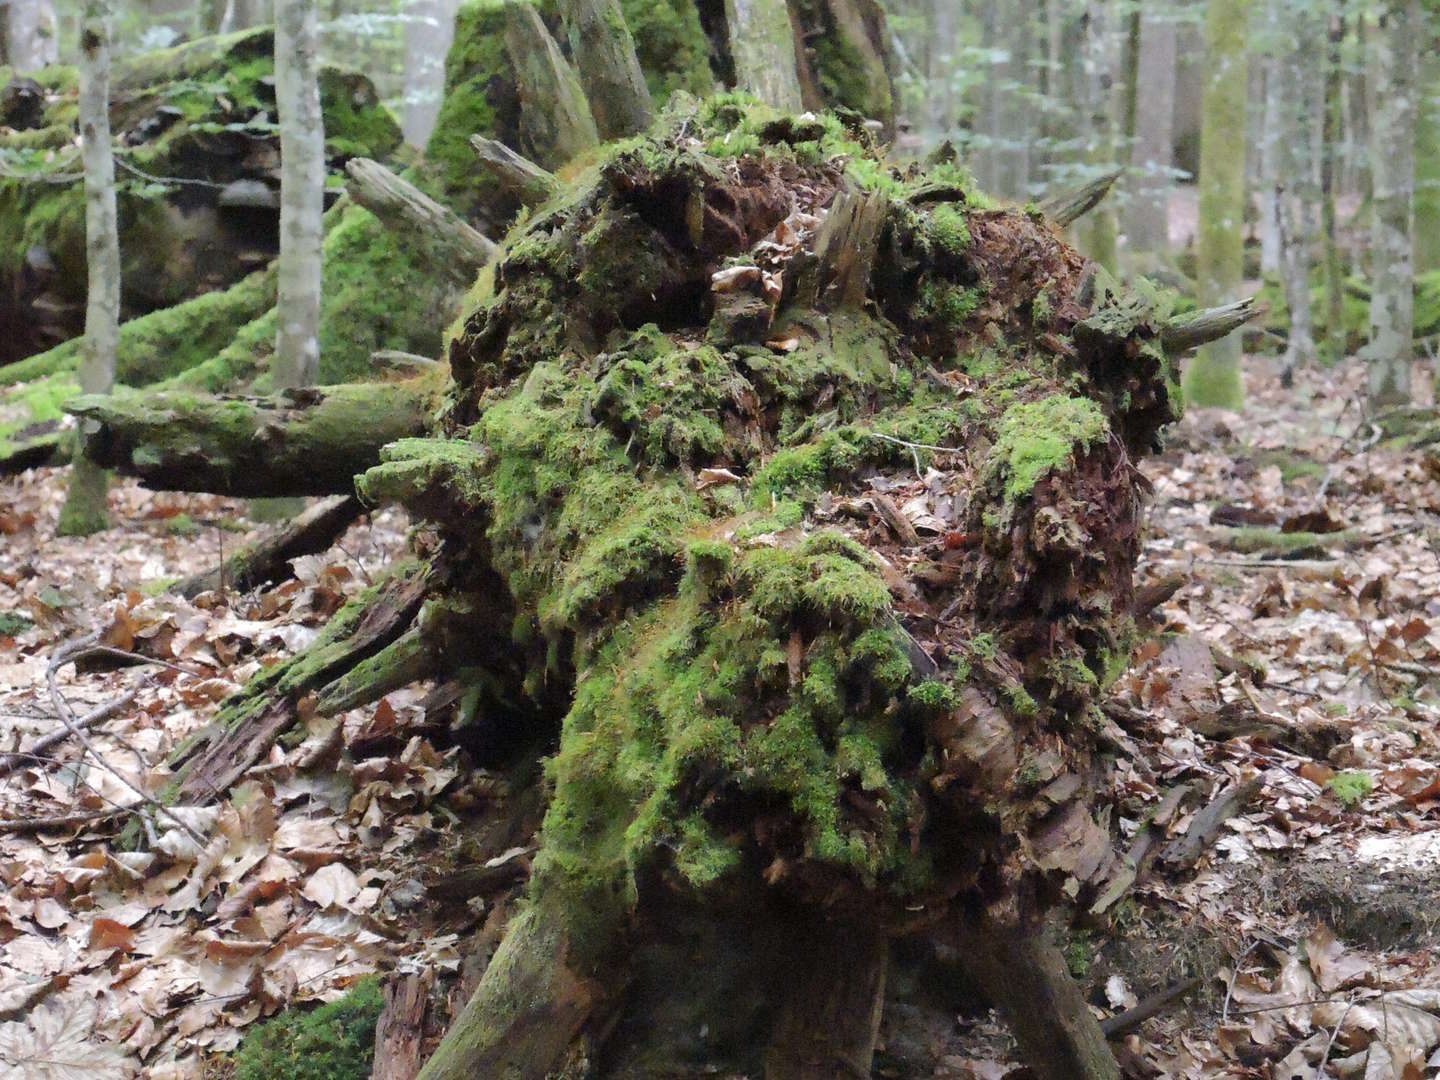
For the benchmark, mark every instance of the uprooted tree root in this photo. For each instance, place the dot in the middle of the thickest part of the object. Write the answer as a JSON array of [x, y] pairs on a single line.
[[790, 717]]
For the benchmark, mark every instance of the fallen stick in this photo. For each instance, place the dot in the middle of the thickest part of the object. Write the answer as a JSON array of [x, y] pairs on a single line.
[[61, 821], [10, 762], [1184, 851], [312, 531], [1123, 1023]]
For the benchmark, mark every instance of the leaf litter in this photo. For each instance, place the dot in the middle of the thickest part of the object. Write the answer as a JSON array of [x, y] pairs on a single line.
[[1299, 671]]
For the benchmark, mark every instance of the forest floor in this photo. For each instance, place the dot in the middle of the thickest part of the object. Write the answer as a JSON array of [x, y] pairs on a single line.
[[1302, 651]]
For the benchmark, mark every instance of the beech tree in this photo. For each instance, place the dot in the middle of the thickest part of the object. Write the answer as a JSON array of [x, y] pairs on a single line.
[[1392, 67], [84, 510], [1213, 376], [302, 188]]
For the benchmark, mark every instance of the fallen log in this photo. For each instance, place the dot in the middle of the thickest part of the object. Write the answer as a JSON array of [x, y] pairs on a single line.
[[308, 441]]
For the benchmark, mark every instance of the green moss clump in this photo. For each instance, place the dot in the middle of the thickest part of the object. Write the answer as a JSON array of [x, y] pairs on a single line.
[[673, 49], [1350, 787], [334, 1042], [1039, 436], [948, 228]]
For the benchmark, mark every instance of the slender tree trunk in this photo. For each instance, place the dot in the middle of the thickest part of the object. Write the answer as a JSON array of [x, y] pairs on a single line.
[[32, 37], [84, 510], [1213, 376], [302, 187], [556, 123], [941, 67], [429, 28], [1273, 133], [1300, 87], [1427, 166], [1099, 231], [1147, 228], [1392, 67], [1331, 134]]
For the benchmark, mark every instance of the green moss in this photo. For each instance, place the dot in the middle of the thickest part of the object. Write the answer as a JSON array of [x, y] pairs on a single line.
[[948, 228], [12, 624], [1041, 436], [1350, 787], [32, 408], [356, 123], [673, 49], [181, 525], [333, 1042], [1252, 540]]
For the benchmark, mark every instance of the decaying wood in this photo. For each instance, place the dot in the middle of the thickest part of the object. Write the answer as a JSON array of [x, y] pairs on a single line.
[[1068, 206], [1185, 851], [309, 441], [249, 724], [555, 120], [449, 244], [399, 1033], [1119, 1026], [517, 175], [1191, 331], [314, 530], [399, 361], [830, 1018], [408, 659], [1026, 976], [609, 69], [845, 246]]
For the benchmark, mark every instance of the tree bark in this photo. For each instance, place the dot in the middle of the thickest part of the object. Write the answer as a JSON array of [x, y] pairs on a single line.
[[307, 441], [610, 71], [1299, 89], [1147, 226], [1427, 166], [32, 34], [1392, 63], [1213, 376], [448, 244], [429, 28], [555, 120], [302, 186], [1331, 130], [84, 510], [517, 175], [762, 45]]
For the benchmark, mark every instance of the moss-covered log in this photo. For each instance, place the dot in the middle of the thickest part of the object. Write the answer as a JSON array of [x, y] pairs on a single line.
[[308, 441]]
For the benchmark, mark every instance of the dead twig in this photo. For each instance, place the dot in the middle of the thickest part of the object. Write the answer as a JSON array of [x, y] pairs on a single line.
[[1205, 826], [1122, 1024], [10, 762], [60, 821], [68, 654], [1330, 1042]]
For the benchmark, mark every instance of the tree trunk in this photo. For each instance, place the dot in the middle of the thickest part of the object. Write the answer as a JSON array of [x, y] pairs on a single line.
[[1147, 225], [1099, 233], [304, 441], [763, 48], [302, 186], [429, 28], [32, 34], [1332, 127], [1300, 90], [609, 69], [1395, 43], [84, 510], [1213, 376], [555, 120], [449, 246], [1427, 166]]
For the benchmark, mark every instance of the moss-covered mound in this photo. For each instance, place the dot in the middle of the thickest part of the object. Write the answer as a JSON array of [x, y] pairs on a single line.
[[196, 148], [683, 424]]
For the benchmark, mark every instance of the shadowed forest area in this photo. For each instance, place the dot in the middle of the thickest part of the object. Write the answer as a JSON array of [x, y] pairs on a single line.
[[788, 539]]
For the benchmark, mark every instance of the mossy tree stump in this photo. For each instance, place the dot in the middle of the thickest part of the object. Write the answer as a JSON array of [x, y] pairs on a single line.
[[788, 723]]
